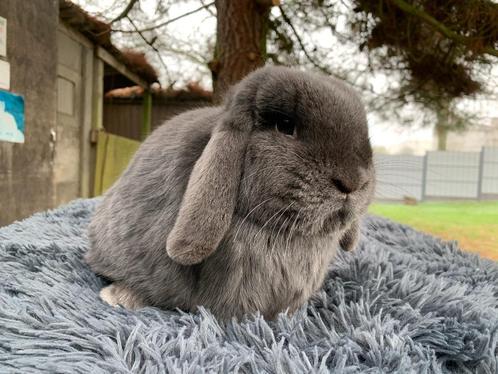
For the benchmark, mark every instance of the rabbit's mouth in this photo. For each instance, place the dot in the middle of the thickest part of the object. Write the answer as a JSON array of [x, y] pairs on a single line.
[[337, 220], [345, 215]]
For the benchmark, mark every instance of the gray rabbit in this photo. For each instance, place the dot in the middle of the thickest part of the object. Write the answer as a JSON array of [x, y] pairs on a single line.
[[239, 208]]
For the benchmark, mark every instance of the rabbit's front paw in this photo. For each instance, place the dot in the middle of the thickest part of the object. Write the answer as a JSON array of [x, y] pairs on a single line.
[[117, 294]]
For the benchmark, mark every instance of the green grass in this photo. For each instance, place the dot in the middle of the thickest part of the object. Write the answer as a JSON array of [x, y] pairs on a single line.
[[473, 224]]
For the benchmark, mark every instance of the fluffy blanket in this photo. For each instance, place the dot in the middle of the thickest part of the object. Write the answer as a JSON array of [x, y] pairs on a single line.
[[404, 302]]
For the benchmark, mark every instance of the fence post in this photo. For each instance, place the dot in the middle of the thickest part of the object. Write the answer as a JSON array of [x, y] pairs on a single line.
[[147, 115], [424, 176], [481, 174]]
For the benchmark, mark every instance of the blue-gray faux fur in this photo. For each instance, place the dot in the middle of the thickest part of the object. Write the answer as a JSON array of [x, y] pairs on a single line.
[[404, 302]]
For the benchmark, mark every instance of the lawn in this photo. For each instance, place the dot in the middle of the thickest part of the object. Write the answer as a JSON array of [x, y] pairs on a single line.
[[473, 224]]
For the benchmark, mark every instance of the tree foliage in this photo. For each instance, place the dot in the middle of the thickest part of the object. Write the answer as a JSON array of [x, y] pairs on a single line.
[[436, 43]]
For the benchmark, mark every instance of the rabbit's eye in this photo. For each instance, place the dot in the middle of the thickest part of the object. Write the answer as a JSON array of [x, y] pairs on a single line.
[[280, 122], [285, 126]]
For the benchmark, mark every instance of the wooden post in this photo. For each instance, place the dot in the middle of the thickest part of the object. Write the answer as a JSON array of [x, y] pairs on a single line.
[[97, 118], [147, 114], [98, 94], [87, 162]]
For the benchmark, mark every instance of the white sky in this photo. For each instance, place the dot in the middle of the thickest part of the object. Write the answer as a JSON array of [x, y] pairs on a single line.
[[200, 27]]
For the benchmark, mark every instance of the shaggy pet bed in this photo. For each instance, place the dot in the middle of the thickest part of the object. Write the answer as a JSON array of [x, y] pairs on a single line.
[[404, 302]]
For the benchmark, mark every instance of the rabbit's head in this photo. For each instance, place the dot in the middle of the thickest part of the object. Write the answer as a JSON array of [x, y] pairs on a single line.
[[291, 153]]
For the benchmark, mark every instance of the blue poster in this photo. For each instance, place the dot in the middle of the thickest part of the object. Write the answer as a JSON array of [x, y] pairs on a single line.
[[11, 117]]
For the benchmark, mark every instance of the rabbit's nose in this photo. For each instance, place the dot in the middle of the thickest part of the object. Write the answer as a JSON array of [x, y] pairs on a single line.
[[345, 186]]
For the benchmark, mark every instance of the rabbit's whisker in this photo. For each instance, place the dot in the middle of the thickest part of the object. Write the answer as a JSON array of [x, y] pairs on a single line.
[[270, 219], [277, 237], [289, 236], [281, 226], [247, 216]]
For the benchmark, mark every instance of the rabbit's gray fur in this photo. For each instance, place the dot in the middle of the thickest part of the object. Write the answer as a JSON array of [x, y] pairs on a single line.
[[254, 225]]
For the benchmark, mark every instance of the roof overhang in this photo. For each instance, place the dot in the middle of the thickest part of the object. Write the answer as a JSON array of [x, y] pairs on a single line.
[[123, 68]]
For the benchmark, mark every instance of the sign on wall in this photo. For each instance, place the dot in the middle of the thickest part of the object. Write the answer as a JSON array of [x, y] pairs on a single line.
[[11, 117], [3, 37], [4, 75]]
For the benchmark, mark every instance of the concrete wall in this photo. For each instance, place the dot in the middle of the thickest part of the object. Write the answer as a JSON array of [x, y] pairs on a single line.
[[26, 169], [473, 139]]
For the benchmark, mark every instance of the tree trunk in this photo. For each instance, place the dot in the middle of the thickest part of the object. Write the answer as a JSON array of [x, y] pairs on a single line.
[[442, 136], [240, 41], [442, 126]]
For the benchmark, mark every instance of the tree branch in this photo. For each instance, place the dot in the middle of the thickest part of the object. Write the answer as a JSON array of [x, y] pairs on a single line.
[[197, 59], [165, 23], [151, 44], [125, 12], [268, 3], [207, 8], [427, 18], [322, 68], [301, 44]]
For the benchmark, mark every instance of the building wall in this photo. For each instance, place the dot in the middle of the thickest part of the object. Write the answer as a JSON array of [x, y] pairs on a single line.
[[473, 139], [26, 169]]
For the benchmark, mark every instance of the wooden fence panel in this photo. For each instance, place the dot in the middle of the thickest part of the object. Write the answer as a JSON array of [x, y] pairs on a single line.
[[125, 117], [113, 155]]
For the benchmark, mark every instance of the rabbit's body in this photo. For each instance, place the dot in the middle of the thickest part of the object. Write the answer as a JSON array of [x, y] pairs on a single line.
[[249, 240]]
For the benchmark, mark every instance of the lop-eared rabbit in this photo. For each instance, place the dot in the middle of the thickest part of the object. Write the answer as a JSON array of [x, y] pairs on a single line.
[[242, 207]]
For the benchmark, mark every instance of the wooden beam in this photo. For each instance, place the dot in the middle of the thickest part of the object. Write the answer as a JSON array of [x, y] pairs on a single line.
[[119, 66], [98, 94]]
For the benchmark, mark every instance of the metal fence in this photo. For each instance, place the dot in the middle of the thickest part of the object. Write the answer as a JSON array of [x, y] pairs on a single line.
[[438, 175]]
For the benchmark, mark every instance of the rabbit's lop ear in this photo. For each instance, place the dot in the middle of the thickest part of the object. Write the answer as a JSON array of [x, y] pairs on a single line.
[[209, 201]]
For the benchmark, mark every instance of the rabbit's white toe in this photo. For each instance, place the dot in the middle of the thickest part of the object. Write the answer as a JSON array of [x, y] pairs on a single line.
[[116, 294]]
